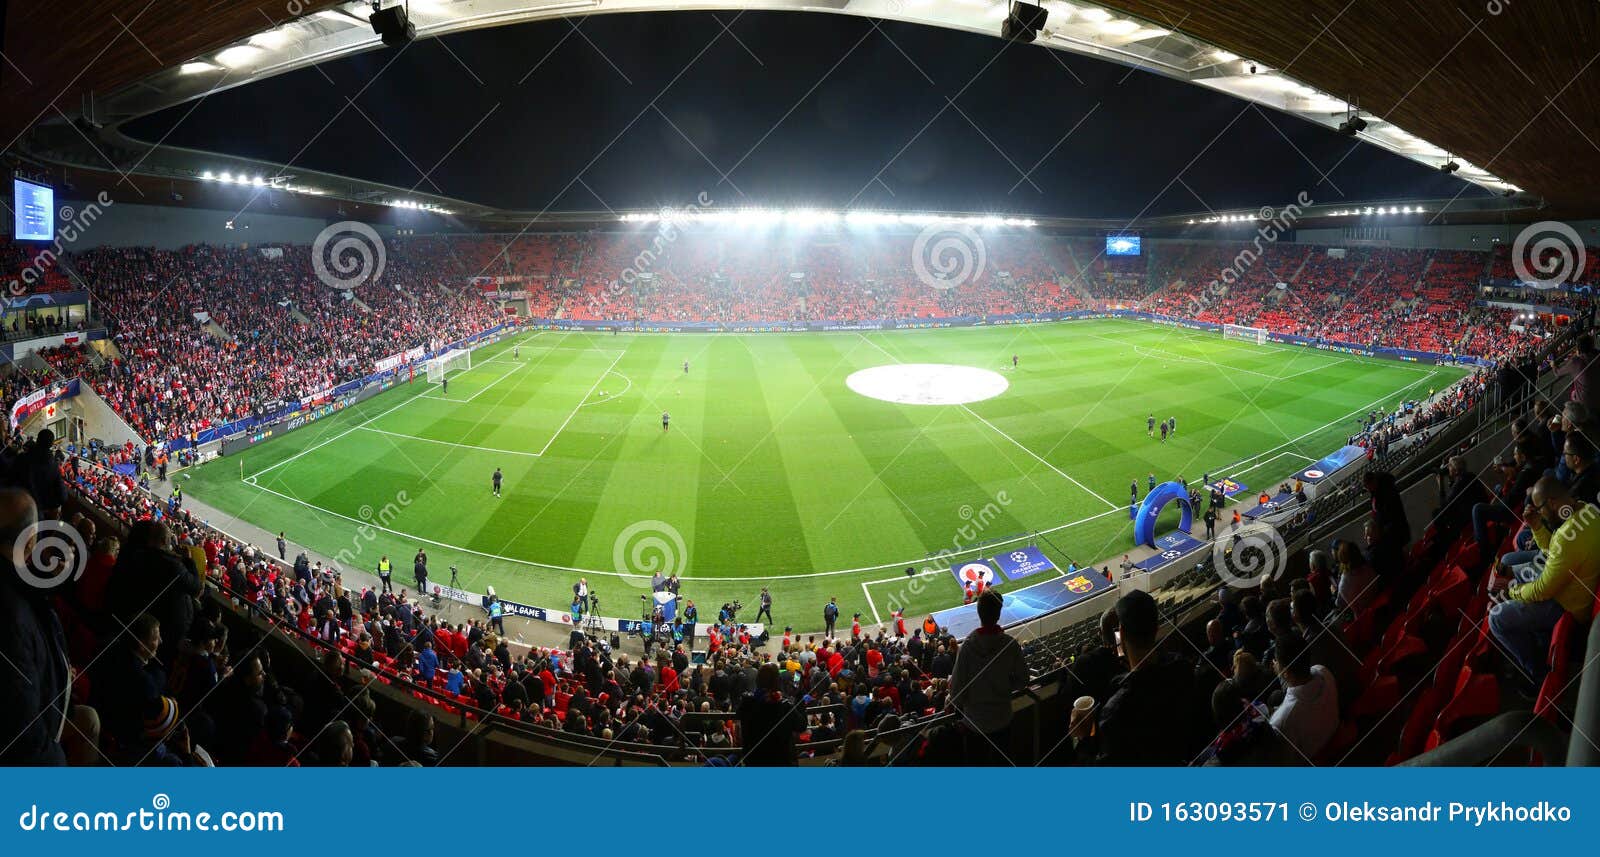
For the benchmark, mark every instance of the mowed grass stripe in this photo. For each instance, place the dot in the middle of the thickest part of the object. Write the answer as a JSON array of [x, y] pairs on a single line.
[[828, 468], [659, 476], [742, 450]]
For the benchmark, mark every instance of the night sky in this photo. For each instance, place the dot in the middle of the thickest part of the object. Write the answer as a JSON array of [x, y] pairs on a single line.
[[783, 109]]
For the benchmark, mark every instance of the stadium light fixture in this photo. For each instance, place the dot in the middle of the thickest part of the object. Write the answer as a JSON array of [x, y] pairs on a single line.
[[238, 56], [197, 67], [207, 175]]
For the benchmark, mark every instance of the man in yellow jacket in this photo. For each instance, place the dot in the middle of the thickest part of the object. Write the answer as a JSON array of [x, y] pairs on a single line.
[[1568, 534]]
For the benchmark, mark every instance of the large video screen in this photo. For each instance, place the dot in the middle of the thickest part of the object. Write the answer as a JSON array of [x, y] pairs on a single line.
[[1122, 245], [35, 208]]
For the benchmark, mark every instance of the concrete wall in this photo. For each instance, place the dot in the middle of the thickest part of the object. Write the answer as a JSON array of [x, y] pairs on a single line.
[[127, 224], [1445, 237]]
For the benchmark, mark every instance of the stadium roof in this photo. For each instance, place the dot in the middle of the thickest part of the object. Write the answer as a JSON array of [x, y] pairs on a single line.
[[1434, 84]]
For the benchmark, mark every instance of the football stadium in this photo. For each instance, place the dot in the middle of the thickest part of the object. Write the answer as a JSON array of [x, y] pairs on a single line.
[[937, 383]]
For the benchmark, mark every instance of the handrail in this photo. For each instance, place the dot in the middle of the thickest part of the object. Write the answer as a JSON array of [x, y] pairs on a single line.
[[1583, 748], [1514, 730]]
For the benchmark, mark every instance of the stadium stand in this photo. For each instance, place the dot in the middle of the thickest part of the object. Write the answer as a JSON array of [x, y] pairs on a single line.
[[189, 647]]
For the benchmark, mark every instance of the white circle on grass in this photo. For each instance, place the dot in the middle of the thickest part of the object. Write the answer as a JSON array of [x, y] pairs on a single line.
[[927, 383]]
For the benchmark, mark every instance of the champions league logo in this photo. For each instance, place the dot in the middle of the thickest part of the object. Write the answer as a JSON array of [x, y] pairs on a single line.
[[1019, 556]]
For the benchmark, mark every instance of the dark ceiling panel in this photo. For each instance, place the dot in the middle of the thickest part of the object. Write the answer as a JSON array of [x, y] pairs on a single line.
[[59, 50], [1514, 92]]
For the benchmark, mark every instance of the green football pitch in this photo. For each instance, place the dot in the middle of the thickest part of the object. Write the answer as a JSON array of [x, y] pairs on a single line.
[[776, 472]]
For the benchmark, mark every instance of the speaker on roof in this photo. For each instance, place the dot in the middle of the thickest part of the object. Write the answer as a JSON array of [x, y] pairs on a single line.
[[1023, 22], [393, 25]]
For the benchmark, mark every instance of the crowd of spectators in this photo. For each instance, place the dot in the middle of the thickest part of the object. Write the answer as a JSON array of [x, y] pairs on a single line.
[[205, 335]]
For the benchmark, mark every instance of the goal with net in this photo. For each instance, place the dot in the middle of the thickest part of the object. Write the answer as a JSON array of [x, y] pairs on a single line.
[[453, 361], [1258, 335]]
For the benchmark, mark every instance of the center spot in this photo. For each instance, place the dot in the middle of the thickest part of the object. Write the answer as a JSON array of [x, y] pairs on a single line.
[[927, 383]]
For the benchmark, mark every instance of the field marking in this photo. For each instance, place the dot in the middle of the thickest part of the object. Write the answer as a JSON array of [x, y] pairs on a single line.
[[449, 443], [1191, 334], [313, 448], [974, 414], [723, 579], [253, 482], [1325, 426], [1036, 457], [613, 396], [876, 619], [361, 424], [1155, 353], [585, 398], [480, 392]]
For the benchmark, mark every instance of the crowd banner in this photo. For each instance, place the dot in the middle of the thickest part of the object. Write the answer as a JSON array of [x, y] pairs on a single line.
[[41, 399]]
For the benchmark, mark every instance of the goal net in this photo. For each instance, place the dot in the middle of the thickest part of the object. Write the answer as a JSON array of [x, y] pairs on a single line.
[[1258, 335], [453, 361]]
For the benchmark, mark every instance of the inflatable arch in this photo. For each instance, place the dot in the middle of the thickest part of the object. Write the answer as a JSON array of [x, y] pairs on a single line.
[[1144, 523]]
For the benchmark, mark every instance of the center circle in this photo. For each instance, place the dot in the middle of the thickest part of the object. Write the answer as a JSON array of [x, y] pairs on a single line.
[[927, 383]]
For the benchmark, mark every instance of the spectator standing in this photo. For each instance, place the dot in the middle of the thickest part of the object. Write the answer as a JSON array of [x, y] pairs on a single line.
[[989, 668], [769, 723], [37, 684]]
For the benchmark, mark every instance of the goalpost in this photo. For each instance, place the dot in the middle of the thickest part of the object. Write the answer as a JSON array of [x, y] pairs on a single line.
[[454, 361], [1258, 335]]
